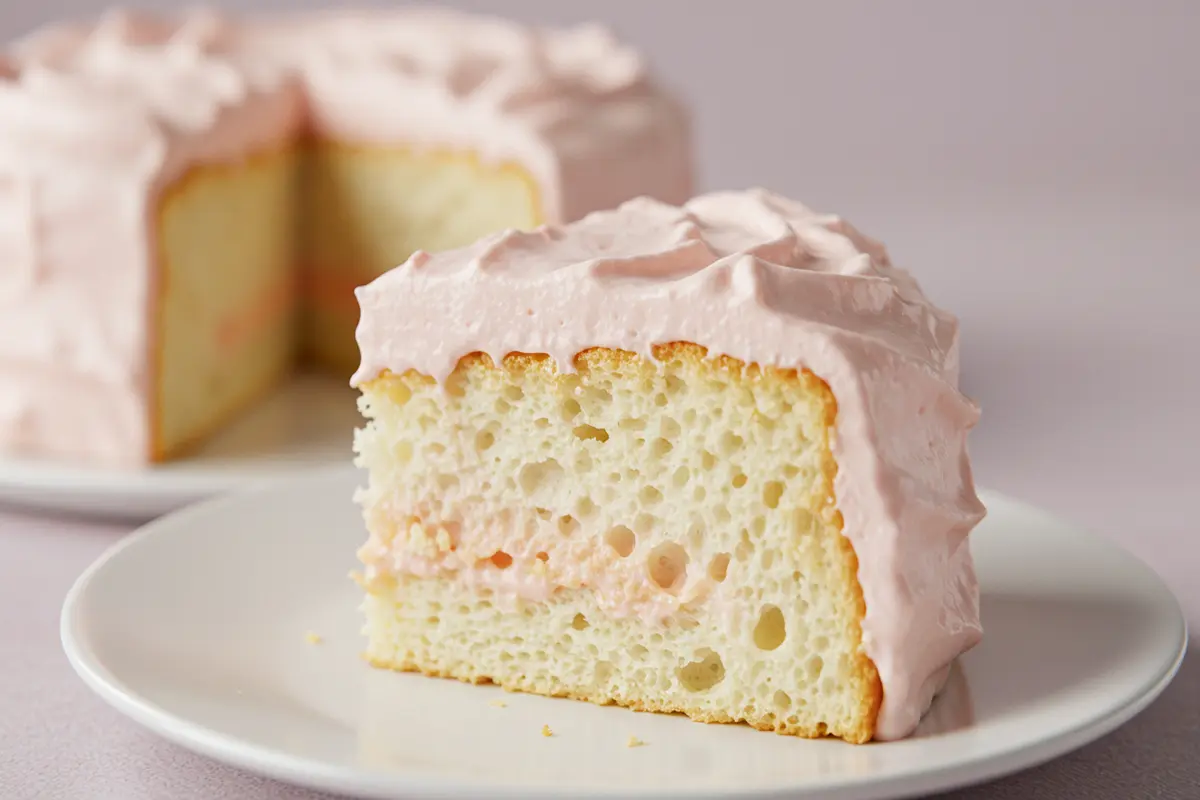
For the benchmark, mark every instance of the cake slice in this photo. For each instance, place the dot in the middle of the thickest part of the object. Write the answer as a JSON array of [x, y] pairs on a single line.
[[708, 459]]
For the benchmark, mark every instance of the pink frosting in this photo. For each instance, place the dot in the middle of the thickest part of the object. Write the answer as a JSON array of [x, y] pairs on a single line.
[[765, 280], [97, 120]]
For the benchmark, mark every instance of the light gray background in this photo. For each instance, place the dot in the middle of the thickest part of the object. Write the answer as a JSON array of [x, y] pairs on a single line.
[[1034, 163]]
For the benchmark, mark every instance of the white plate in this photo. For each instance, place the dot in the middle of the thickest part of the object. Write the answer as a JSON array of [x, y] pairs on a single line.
[[306, 425], [196, 628]]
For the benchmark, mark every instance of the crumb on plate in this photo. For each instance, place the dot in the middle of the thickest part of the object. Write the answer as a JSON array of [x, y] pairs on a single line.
[[546, 731], [313, 638], [498, 704], [634, 742]]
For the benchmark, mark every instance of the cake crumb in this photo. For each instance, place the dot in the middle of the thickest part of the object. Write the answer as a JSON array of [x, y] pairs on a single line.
[[429, 541], [635, 742], [498, 704], [313, 638], [546, 731]]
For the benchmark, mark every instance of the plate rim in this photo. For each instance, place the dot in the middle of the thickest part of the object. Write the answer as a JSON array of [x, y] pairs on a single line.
[[299, 771]]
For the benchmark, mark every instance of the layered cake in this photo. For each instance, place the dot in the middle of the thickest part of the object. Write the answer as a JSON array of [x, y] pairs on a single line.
[[708, 459], [187, 204]]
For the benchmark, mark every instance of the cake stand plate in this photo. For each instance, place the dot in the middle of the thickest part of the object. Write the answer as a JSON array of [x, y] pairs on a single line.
[[308, 424], [204, 628]]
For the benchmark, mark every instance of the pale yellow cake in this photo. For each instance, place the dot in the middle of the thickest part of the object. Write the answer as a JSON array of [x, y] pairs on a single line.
[[702, 485], [188, 203]]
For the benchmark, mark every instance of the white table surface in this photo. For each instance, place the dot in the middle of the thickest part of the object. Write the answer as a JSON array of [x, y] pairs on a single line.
[[1038, 173]]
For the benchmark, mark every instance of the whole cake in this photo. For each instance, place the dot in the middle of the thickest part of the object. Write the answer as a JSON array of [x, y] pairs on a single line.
[[708, 459], [187, 204]]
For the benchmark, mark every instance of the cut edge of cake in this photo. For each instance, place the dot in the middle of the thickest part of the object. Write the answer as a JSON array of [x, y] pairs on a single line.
[[787, 657]]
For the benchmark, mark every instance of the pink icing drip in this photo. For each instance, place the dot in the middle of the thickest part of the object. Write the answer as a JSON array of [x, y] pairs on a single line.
[[763, 279]]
